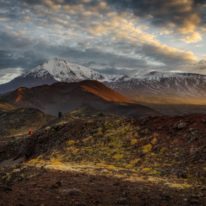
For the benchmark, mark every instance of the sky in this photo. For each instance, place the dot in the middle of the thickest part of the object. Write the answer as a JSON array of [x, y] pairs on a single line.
[[114, 36]]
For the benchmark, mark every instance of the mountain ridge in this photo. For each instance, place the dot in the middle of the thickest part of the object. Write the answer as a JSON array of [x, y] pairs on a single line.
[[164, 88], [66, 97], [154, 86]]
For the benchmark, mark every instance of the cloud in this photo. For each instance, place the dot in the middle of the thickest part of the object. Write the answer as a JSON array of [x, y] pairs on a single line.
[[193, 38], [25, 59], [8, 74], [123, 33], [31, 56], [199, 67], [143, 42], [183, 16], [16, 40]]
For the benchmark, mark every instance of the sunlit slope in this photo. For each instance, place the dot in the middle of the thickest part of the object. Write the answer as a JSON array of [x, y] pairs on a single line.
[[100, 90], [159, 146]]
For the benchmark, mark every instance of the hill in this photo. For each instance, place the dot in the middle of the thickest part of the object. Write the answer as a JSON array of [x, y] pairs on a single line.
[[155, 161], [18, 122], [65, 97], [6, 107]]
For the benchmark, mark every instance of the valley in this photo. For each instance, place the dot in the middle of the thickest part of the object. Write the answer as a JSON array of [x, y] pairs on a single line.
[[70, 136]]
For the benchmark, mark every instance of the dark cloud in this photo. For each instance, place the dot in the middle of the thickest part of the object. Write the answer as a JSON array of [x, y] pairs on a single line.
[[164, 12], [32, 1], [8, 40], [12, 59], [26, 54], [17, 51]]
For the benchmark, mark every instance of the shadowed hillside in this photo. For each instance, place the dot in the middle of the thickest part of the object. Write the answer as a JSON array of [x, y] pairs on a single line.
[[66, 97], [18, 122]]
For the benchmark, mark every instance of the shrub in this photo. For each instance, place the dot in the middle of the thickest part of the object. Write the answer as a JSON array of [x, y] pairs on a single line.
[[71, 142], [88, 139], [133, 163], [118, 156], [133, 141], [154, 140], [150, 171], [147, 148]]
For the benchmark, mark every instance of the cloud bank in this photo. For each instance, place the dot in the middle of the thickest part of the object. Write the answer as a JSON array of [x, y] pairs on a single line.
[[135, 35]]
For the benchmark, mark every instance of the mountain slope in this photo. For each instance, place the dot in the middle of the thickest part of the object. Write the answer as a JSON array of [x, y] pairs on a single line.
[[164, 87], [31, 79], [67, 97], [155, 161], [5, 107]]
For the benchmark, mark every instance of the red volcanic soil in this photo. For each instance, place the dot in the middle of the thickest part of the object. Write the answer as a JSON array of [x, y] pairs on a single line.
[[167, 124], [93, 88], [177, 127], [104, 92], [20, 94], [183, 136]]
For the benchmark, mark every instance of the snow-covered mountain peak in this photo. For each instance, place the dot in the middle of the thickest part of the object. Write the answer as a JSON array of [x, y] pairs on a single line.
[[64, 71], [37, 73]]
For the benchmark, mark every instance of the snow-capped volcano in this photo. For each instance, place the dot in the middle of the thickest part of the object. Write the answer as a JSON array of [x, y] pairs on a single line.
[[64, 71], [54, 70]]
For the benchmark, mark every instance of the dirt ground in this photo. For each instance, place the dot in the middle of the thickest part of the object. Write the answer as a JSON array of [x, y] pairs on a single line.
[[33, 186]]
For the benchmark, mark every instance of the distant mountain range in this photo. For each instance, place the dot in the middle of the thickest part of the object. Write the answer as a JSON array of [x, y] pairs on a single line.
[[164, 87], [152, 87], [56, 70]]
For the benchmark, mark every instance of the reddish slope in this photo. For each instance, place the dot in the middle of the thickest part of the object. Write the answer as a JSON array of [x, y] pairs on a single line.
[[100, 90]]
